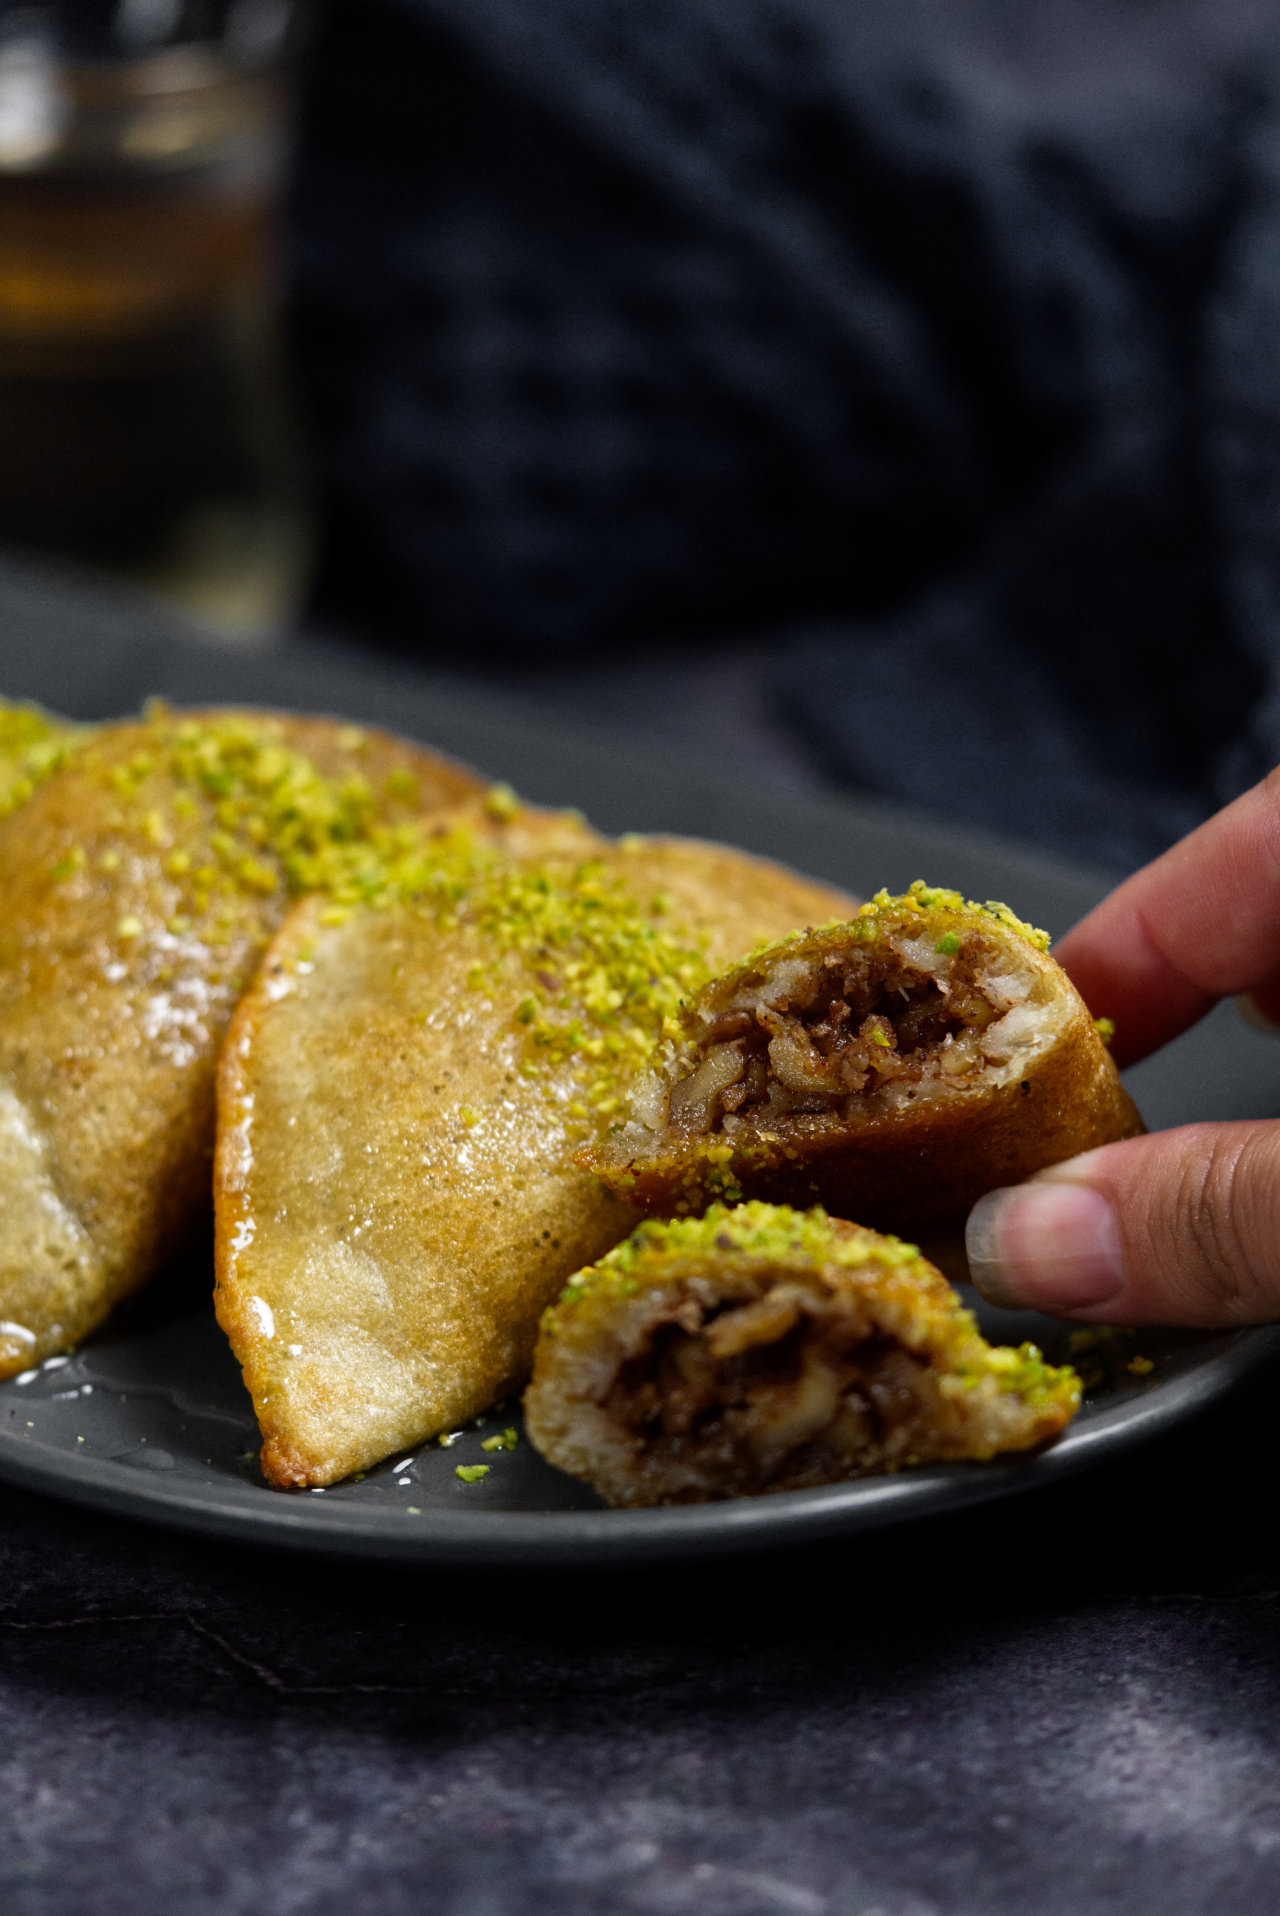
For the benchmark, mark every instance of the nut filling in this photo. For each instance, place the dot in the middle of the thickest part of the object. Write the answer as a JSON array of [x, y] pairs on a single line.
[[895, 1067], [831, 1033], [784, 1392], [761, 1348]]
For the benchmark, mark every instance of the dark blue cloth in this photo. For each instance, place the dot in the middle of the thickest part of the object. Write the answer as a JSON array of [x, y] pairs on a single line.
[[937, 337]]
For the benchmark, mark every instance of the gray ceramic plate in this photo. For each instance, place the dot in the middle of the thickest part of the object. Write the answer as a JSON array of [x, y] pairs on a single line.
[[151, 1420]]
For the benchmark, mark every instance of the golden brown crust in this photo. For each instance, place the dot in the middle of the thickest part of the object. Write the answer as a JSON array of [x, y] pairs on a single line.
[[33, 744], [395, 1197], [903, 1147], [389, 1189], [128, 933]]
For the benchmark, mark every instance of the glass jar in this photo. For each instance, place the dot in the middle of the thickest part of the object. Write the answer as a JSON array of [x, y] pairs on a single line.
[[145, 424]]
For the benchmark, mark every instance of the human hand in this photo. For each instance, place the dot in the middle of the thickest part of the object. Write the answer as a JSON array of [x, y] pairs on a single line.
[[1182, 1227]]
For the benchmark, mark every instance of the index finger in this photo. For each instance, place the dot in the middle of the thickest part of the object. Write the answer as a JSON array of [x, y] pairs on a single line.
[[1200, 923]]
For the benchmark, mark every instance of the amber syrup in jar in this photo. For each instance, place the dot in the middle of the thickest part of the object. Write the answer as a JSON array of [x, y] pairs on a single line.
[[145, 427]]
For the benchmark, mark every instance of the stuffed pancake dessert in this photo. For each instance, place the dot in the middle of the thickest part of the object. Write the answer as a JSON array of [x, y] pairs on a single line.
[[894, 1067], [400, 1097], [143, 867], [33, 744], [760, 1348]]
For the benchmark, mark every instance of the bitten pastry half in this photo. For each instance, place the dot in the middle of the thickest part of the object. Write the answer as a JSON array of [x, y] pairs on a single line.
[[759, 1349], [893, 1067], [399, 1100], [142, 869]]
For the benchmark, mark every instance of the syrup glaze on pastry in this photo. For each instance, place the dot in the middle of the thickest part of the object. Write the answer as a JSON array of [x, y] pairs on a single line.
[[400, 1096], [143, 869]]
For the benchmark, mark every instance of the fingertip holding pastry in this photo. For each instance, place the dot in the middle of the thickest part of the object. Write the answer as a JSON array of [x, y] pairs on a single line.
[[1053, 1244]]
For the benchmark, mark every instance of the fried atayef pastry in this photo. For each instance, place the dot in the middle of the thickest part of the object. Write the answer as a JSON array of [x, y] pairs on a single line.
[[759, 1349], [141, 881], [399, 1099], [33, 744], [894, 1067]]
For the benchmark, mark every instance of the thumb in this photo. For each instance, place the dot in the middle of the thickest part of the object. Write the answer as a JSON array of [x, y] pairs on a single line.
[[1182, 1227]]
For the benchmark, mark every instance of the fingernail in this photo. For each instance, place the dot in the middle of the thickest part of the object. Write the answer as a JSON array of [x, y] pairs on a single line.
[[1045, 1247]]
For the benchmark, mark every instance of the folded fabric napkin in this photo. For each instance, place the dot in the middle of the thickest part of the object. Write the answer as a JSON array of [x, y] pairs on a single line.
[[947, 325]]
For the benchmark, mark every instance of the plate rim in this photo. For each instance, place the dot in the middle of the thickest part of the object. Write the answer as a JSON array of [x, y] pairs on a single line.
[[560, 1539]]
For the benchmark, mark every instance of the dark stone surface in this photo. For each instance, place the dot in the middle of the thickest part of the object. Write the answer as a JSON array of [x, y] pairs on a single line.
[[1063, 1704]]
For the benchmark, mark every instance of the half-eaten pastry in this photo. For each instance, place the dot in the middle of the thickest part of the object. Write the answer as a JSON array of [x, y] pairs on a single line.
[[759, 1349], [894, 1068]]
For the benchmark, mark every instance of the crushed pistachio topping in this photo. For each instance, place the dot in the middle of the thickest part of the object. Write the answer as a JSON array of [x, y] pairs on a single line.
[[600, 981], [237, 816], [501, 1439], [501, 802], [32, 747], [796, 1240], [918, 898], [603, 980], [472, 1473], [922, 897], [757, 1229], [1105, 1028], [1101, 1354], [1021, 1369], [277, 818]]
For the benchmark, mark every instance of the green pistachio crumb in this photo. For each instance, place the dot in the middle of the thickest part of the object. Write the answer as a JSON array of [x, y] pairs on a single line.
[[501, 802], [32, 747], [67, 866]]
